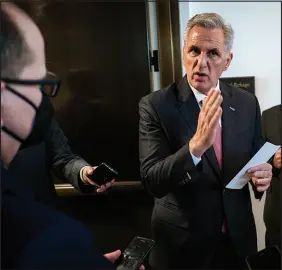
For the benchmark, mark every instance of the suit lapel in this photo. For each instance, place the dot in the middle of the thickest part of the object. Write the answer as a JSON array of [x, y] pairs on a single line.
[[228, 121], [189, 109], [188, 106]]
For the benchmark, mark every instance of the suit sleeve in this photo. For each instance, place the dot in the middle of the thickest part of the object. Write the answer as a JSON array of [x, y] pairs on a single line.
[[257, 144], [263, 126], [266, 115], [65, 164], [161, 170]]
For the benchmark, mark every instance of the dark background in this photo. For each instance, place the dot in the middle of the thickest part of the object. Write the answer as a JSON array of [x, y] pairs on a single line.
[[245, 83], [99, 49]]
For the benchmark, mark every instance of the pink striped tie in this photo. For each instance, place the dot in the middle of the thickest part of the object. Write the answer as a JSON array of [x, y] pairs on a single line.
[[217, 146]]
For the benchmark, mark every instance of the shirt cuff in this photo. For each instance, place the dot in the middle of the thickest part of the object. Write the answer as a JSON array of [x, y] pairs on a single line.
[[195, 159], [81, 175]]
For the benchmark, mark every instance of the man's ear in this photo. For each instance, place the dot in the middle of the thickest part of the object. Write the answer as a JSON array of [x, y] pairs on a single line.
[[2, 88], [2, 85], [183, 55], [228, 61]]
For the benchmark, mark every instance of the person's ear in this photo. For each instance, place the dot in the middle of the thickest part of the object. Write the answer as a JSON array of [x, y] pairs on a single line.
[[228, 61], [184, 51], [2, 88], [2, 85]]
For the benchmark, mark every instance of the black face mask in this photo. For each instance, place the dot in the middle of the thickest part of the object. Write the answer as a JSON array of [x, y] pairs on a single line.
[[43, 117], [42, 123], [9, 131]]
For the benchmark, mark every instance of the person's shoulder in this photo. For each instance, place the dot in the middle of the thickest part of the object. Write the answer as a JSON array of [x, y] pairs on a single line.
[[238, 92], [49, 239], [240, 96], [33, 216], [63, 244], [272, 110], [163, 95]]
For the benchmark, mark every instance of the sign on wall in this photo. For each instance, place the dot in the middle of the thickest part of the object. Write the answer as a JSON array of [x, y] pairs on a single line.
[[246, 83]]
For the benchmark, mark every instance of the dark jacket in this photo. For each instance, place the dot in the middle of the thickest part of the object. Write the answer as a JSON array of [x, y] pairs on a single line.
[[34, 236], [191, 201], [33, 167], [272, 132]]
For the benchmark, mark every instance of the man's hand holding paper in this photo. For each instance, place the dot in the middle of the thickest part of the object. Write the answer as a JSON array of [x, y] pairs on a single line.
[[256, 169], [261, 176]]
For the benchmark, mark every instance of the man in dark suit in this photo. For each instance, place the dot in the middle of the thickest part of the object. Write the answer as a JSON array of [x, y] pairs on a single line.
[[272, 131], [46, 156], [46, 152], [32, 235], [186, 161]]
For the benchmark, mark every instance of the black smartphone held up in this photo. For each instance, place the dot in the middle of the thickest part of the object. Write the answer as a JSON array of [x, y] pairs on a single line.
[[269, 258], [135, 253], [103, 174]]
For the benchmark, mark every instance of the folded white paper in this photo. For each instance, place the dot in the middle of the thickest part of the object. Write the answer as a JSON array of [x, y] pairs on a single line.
[[262, 156]]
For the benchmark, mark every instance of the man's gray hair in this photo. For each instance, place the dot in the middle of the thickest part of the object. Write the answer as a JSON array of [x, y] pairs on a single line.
[[211, 21]]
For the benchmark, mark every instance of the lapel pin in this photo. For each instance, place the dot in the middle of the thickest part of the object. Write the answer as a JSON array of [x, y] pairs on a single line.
[[231, 108]]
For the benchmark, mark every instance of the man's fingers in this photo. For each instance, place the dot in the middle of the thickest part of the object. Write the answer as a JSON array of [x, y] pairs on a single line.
[[105, 187], [261, 184], [262, 174], [109, 184], [101, 189], [262, 188], [210, 99], [89, 170], [215, 119], [261, 167], [208, 119], [262, 181], [113, 256], [213, 109]]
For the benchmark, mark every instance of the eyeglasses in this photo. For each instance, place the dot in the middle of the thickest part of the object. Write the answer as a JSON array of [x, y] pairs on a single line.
[[49, 85]]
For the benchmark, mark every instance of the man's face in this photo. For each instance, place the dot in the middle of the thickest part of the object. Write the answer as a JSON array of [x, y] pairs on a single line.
[[17, 115], [205, 57]]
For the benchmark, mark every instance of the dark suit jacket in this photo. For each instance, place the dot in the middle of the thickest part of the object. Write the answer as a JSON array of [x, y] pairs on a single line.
[[191, 202], [36, 237], [272, 132], [32, 166]]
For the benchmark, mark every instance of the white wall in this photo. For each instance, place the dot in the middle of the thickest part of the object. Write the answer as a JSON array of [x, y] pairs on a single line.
[[257, 52]]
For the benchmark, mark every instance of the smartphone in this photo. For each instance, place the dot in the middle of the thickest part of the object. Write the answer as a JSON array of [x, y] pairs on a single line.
[[269, 258], [135, 253], [103, 174]]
